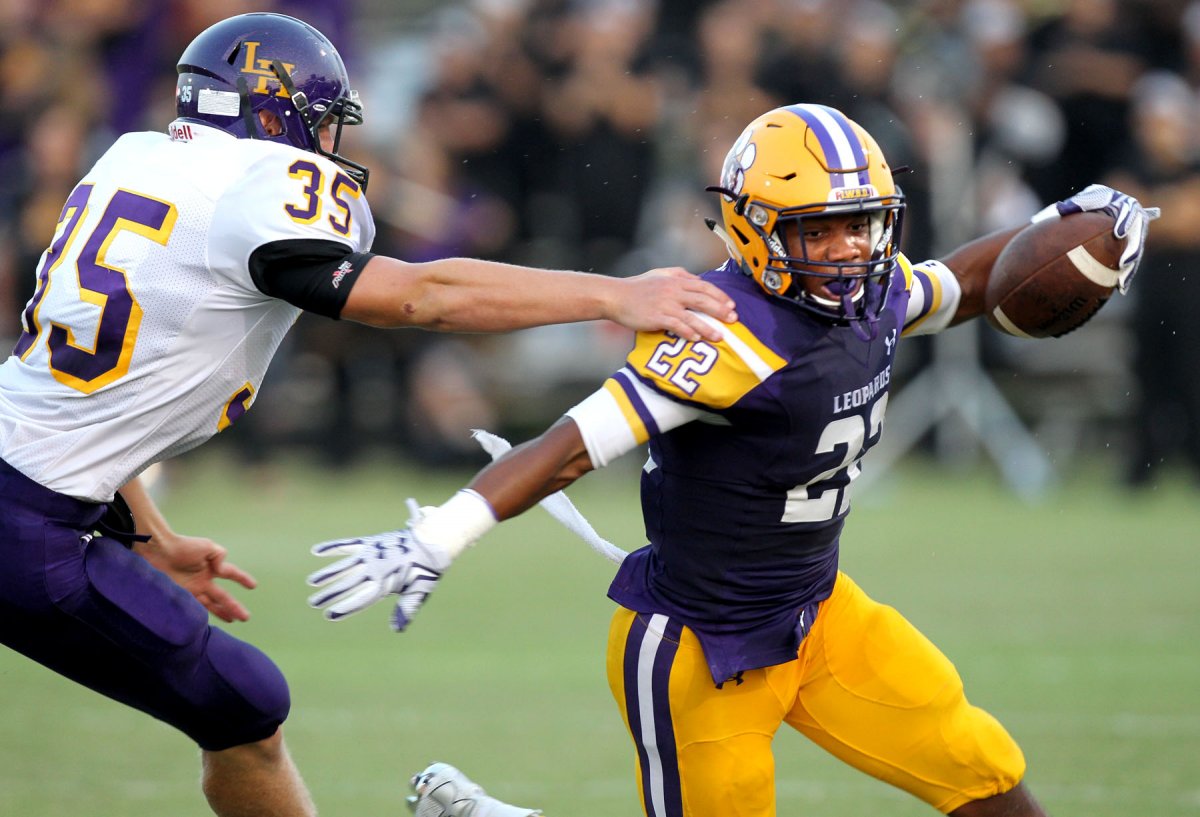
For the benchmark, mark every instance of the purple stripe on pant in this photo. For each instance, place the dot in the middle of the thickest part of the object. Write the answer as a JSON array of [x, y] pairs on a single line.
[[649, 656]]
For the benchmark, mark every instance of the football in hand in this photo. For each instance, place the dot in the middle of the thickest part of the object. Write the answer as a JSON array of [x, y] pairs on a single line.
[[1053, 276]]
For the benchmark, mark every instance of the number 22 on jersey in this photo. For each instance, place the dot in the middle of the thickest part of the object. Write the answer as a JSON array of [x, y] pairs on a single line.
[[74, 272]]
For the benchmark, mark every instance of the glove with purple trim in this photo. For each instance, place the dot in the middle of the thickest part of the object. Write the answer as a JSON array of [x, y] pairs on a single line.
[[1132, 222], [393, 563]]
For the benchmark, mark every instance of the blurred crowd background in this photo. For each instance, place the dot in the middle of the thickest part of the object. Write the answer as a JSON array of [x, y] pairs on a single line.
[[580, 134]]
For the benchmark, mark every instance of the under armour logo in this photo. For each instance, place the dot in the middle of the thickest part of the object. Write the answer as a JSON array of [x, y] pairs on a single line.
[[737, 679], [890, 340]]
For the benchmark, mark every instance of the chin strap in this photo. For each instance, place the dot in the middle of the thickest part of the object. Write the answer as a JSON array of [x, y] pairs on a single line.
[[720, 233], [298, 97], [866, 326], [871, 330], [247, 113], [309, 122]]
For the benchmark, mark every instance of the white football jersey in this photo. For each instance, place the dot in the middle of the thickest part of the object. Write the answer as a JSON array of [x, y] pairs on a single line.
[[146, 334]]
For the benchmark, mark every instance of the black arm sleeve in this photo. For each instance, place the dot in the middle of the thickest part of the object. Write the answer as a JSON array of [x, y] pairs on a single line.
[[313, 274]]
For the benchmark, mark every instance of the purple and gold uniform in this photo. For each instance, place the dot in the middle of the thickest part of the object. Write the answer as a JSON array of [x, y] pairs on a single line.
[[735, 618]]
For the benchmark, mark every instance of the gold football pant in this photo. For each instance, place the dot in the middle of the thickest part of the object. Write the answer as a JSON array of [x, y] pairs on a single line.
[[866, 686]]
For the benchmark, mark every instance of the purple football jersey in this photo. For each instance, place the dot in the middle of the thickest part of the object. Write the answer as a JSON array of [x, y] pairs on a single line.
[[743, 509]]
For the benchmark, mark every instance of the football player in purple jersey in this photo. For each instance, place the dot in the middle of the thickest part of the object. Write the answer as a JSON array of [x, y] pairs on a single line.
[[735, 618], [180, 262]]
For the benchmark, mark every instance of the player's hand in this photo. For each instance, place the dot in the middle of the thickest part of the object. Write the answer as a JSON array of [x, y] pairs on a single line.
[[195, 563], [373, 567], [1131, 221], [669, 299]]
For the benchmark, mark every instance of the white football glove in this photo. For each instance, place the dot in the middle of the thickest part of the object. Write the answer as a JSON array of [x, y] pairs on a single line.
[[393, 563], [1132, 222]]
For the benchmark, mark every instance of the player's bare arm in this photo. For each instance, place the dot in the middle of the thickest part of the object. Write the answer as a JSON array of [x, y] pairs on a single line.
[[972, 264], [409, 563], [461, 294], [532, 471], [192, 562]]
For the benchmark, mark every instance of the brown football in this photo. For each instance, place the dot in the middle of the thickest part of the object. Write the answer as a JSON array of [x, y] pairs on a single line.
[[1053, 276]]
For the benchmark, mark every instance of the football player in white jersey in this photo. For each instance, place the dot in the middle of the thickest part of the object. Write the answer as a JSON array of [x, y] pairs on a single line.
[[735, 619], [179, 263]]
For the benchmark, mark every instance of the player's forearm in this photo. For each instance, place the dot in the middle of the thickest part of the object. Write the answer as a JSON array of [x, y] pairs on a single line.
[[532, 471], [510, 485], [972, 264], [469, 295], [150, 521]]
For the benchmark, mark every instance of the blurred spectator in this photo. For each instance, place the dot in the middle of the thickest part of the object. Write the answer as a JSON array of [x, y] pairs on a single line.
[[727, 94], [460, 145], [1020, 131], [581, 133], [601, 113], [1163, 169], [937, 63], [797, 61], [1087, 60], [866, 57], [42, 160]]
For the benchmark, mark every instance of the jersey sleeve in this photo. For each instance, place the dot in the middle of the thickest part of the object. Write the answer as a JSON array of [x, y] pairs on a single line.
[[668, 381], [286, 196], [934, 294]]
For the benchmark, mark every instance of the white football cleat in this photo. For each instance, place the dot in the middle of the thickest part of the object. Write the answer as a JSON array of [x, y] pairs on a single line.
[[444, 791]]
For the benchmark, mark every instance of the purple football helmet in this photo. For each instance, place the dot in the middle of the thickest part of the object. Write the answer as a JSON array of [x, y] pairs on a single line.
[[269, 62]]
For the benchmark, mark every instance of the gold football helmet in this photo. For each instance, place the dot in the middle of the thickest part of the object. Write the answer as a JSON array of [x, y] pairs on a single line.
[[804, 161]]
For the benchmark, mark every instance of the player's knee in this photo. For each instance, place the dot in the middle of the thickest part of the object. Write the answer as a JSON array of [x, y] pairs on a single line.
[[254, 699], [979, 741], [265, 752]]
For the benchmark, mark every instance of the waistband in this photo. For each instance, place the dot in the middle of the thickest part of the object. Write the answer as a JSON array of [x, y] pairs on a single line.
[[18, 489]]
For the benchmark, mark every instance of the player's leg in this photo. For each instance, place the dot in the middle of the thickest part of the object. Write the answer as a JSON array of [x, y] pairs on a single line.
[[879, 695], [702, 751], [444, 791], [101, 616], [131, 634], [1017, 802], [255, 780]]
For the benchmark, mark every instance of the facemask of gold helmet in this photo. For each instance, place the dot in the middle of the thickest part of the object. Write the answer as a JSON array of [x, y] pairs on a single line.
[[797, 163]]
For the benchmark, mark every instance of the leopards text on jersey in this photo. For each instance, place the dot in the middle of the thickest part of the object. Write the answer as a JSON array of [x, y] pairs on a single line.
[[753, 444]]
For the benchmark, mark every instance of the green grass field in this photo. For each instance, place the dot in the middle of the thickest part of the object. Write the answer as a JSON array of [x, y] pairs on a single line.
[[1076, 621]]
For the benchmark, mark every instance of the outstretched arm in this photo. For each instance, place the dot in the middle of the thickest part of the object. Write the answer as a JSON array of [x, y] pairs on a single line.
[[972, 262], [192, 562], [409, 563], [511, 485], [532, 471], [469, 295]]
